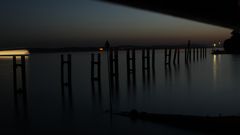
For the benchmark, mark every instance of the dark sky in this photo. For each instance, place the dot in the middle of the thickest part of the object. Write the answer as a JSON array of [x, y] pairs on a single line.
[[55, 23]]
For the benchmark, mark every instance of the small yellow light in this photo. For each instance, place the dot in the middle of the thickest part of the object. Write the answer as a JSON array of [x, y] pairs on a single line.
[[101, 49], [214, 45]]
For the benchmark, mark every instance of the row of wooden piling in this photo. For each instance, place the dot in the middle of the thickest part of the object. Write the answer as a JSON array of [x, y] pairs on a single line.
[[148, 57], [192, 54], [20, 88]]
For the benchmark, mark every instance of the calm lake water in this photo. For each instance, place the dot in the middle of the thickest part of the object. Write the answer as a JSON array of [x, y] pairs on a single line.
[[205, 87]]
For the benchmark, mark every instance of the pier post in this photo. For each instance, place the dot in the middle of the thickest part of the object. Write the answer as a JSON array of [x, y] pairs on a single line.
[[22, 91], [22, 66], [194, 54], [189, 51], [131, 66], [178, 56], [201, 52], [153, 59], [168, 55], [186, 55], [175, 56], [95, 63], [197, 53], [68, 82], [114, 72]]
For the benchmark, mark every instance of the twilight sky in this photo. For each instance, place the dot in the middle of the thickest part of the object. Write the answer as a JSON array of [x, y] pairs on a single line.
[[53, 23]]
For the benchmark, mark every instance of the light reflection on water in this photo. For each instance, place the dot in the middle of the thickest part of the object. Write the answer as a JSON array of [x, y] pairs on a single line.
[[204, 87]]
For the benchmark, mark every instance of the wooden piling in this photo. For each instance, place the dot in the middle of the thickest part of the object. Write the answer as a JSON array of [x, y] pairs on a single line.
[[153, 58], [22, 66], [148, 59], [175, 56], [67, 62], [15, 73], [131, 66], [96, 62], [20, 92], [178, 56]]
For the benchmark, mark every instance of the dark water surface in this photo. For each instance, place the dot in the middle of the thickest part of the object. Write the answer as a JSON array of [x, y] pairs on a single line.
[[206, 87]]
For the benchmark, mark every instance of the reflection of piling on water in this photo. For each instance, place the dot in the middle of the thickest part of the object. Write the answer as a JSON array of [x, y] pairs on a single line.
[[96, 67], [201, 53], [146, 59], [153, 60], [131, 66], [96, 76], [96, 70], [205, 52], [194, 53], [66, 84], [114, 71], [188, 52], [20, 94], [176, 56], [146, 64], [167, 56]]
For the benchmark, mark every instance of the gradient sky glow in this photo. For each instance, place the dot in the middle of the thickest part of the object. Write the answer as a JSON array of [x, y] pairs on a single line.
[[55, 23]]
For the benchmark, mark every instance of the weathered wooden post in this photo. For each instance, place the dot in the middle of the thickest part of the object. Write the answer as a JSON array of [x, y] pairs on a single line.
[[131, 66], [148, 59], [186, 55], [68, 83], [197, 53], [194, 54], [168, 54], [96, 62], [153, 59], [67, 62], [175, 55], [22, 91], [178, 56], [201, 52], [189, 51], [113, 54]]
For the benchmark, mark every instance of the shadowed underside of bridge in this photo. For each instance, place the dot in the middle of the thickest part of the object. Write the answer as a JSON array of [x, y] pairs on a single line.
[[225, 13]]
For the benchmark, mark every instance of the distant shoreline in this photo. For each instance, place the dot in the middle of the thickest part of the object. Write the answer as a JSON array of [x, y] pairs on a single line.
[[89, 49]]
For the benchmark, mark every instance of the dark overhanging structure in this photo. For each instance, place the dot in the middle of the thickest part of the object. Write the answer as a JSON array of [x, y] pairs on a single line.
[[225, 13]]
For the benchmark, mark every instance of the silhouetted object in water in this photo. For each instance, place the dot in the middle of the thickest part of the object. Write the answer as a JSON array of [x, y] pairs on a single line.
[[131, 66], [96, 93], [207, 124], [66, 84], [107, 48], [146, 65], [96, 76], [153, 60], [197, 54], [95, 67], [188, 53], [168, 56], [114, 72], [201, 53], [194, 54], [145, 59], [20, 94], [176, 56], [232, 45]]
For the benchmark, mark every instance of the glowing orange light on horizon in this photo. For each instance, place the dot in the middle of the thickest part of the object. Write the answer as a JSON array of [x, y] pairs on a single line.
[[14, 52], [101, 49]]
